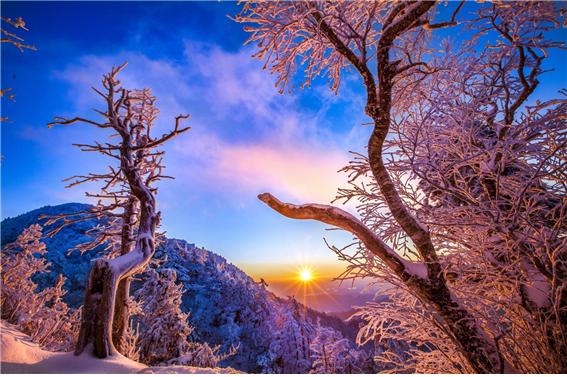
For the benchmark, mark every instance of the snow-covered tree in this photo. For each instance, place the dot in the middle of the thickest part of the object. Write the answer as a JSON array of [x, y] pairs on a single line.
[[164, 337], [461, 191], [19, 264], [164, 328], [130, 115], [331, 352], [130, 337], [290, 351], [41, 314], [202, 355]]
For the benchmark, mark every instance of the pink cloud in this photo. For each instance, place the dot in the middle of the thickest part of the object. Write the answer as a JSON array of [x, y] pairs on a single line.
[[295, 172]]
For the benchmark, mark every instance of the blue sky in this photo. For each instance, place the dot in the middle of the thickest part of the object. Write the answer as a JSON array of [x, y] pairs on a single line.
[[243, 130], [245, 138]]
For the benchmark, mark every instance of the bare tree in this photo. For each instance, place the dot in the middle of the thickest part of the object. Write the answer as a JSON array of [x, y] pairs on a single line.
[[117, 213], [386, 43], [131, 115]]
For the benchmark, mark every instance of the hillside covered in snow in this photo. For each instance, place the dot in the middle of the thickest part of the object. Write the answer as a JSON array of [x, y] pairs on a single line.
[[20, 355], [226, 306]]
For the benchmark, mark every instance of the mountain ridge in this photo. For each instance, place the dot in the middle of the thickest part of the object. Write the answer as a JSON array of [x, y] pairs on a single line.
[[227, 306]]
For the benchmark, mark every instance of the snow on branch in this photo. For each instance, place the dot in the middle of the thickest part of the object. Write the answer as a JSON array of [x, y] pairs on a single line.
[[344, 220], [13, 38]]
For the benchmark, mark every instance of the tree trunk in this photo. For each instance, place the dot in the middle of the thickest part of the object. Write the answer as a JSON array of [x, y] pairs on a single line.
[[121, 313], [472, 341], [98, 310], [100, 294]]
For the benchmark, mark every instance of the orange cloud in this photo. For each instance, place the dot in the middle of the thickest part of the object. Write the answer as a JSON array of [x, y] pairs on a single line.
[[304, 173]]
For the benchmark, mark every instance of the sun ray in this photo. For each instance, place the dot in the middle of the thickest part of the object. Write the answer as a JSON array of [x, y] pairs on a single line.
[[305, 275]]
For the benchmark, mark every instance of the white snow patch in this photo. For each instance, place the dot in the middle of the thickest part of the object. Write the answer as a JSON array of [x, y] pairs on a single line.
[[18, 354], [16, 347], [538, 288], [538, 292], [418, 269]]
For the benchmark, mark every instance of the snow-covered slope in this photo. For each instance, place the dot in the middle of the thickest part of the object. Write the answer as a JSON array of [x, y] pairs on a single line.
[[18, 354], [73, 266], [227, 307]]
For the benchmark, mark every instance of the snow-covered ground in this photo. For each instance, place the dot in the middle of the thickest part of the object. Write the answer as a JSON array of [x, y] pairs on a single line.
[[20, 355]]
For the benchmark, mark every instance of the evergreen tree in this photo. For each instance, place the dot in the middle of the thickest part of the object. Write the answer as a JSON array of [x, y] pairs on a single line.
[[333, 353], [164, 334], [165, 331]]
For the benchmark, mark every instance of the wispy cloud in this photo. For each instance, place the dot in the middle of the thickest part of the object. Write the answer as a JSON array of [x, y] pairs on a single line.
[[299, 172], [246, 137]]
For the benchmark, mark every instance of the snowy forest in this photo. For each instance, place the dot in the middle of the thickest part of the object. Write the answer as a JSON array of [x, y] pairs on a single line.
[[450, 123]]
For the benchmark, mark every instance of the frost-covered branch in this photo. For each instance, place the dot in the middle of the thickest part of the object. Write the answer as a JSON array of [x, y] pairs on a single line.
[[344, 220], [13, 38], [454, 176]]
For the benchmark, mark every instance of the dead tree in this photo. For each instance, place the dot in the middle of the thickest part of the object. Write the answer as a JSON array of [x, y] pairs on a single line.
[[114, 233], [386, 44], [130, 115]]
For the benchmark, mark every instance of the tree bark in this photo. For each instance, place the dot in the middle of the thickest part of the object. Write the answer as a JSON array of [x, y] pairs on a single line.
[[100, 296], [96, 320], [122, 311]]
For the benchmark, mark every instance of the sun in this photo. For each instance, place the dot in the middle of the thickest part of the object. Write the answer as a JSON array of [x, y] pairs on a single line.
[[305, 275]]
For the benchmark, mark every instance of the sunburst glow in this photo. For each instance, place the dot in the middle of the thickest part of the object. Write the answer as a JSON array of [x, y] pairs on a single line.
[[305, 275]]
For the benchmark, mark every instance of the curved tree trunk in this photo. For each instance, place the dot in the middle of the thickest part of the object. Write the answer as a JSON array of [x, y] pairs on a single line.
[[122, 311], [101, 293], [102, 285]]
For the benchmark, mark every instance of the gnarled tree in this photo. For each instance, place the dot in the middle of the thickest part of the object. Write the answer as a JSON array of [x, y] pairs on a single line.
[[114, 234], [130, 114], [117, 213], [416, 94]]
